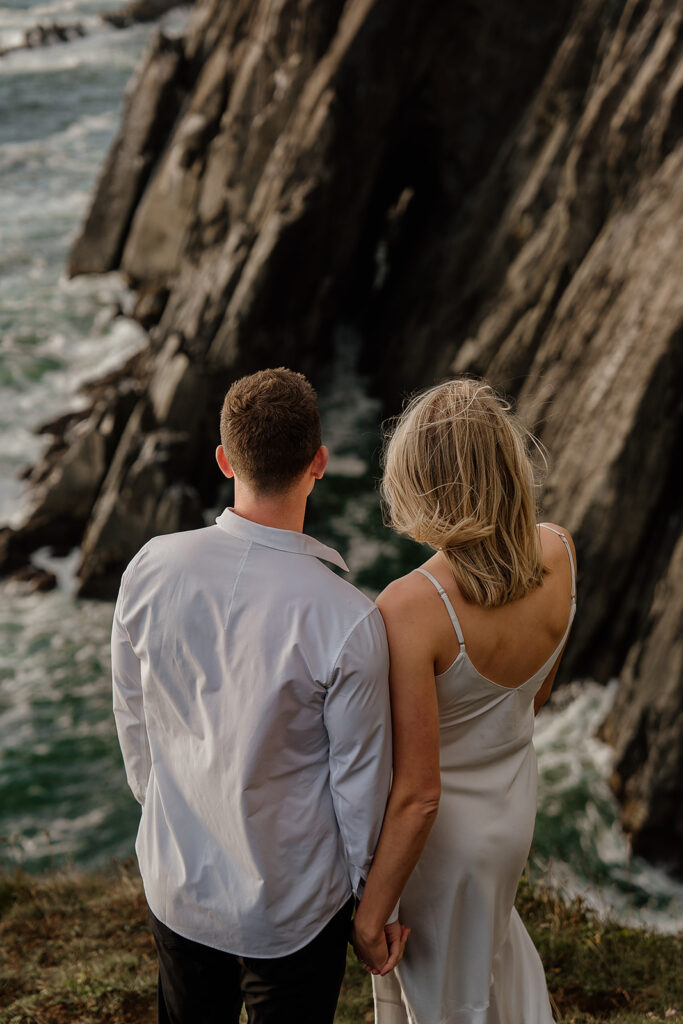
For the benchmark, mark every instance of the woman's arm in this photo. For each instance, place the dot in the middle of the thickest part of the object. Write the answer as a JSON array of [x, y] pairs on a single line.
[[416, 786], [544, 692]]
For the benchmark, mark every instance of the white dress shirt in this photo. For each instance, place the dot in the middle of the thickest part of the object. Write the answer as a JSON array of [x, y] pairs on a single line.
[[251, 703]]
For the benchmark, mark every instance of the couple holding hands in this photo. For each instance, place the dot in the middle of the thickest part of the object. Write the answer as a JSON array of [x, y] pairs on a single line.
[[301, 753]]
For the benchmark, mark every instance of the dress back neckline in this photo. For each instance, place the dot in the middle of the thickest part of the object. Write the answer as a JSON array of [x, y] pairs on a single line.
[[463, 658]]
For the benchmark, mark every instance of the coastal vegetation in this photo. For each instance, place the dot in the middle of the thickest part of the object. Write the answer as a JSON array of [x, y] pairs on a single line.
[[75, 949]]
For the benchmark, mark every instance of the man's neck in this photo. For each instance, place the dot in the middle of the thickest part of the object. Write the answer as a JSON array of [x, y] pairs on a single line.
[[280, 511]]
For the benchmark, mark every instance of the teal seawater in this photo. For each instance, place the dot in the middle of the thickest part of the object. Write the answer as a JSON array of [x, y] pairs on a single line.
[[63, 796]]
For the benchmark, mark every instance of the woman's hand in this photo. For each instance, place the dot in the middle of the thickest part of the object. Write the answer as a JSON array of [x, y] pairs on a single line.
[[380, 951]]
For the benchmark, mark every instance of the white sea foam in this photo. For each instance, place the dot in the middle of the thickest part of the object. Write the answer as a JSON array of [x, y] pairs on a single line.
[[36, 154], [56, 842], [594, 861], [64, 569], [75, 360]]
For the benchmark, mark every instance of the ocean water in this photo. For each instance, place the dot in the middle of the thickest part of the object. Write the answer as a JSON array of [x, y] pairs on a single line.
[[63, 796], [59, 108]]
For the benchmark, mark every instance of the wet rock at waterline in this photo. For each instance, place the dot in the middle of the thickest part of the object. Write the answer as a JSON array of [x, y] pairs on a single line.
[[140, 11], [31, 580], [644, 725], [479, 190], [53, 32], [45, 35]]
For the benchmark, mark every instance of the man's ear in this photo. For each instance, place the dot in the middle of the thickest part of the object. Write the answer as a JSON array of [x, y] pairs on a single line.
[[222, 460], [320, 460]]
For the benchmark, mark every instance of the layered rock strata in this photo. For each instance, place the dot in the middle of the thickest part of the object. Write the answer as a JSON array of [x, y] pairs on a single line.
[[479, 188]]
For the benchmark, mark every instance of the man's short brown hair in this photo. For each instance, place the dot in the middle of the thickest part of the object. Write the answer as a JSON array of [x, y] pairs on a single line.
[[270, 428]]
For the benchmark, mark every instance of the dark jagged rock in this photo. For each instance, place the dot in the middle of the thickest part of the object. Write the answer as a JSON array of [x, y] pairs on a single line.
[[32, 580], [140, 498], [46, 35], [152, 103], [644, 724], [15, 548], [141, 11], [149, 306], [480, 188], [66, 481]]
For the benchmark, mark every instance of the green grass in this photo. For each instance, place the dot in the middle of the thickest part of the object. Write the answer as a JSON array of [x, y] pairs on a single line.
[[600, 970], [75, 949]]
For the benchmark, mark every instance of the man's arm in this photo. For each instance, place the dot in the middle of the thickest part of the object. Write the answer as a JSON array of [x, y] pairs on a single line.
[[358, 722], [129, 713]]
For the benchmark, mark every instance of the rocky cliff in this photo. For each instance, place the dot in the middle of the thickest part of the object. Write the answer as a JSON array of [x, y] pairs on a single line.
[[478, 187]]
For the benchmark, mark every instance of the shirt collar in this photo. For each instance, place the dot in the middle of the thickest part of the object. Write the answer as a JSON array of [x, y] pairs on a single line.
[[283, 540]]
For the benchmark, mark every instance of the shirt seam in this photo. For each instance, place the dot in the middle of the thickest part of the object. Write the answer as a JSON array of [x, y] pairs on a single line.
[[344, 642], [130, 568], [238, 576]]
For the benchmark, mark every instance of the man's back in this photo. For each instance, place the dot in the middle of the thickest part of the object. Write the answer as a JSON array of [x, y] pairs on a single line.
[[261, 746]]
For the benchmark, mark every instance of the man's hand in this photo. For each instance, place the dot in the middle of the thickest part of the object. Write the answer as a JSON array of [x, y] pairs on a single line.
[[380, 952]]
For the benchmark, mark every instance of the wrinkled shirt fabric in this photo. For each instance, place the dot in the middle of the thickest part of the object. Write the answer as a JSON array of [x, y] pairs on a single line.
[[251, 703]]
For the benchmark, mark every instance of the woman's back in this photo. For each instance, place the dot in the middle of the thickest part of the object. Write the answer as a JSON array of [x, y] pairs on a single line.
[[507, 644]]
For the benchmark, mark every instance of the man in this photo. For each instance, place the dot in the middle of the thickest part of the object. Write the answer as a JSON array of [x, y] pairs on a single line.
[[251, 703]]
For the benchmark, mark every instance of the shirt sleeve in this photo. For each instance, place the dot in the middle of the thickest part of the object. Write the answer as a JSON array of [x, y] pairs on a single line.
[[129, 713], [358, 722]]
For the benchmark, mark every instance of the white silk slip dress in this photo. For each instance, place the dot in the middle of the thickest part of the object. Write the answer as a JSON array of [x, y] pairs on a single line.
[[469, 958]]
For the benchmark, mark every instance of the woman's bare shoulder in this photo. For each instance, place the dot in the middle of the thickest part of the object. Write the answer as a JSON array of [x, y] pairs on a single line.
[[398, 592], [556, 528], [404, 596], [409, 616]]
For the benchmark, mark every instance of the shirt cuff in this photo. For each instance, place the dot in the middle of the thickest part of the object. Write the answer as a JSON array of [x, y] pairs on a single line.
[[360, 886], [393, 916]]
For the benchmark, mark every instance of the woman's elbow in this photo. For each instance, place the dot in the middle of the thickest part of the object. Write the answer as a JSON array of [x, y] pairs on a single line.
[[422, 801], [430, 801]]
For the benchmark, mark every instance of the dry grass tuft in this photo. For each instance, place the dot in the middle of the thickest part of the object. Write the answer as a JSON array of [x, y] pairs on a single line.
[[75, 949]]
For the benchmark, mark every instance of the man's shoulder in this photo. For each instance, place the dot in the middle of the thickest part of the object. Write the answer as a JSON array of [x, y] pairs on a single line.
[[184, 539], [172, 546], [350, 616], [338, 590]]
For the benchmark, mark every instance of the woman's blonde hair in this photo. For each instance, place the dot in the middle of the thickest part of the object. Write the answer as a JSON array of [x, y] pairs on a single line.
[[458, 476]]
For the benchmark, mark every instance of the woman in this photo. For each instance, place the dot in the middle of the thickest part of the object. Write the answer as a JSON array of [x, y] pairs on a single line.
[[475, 635]]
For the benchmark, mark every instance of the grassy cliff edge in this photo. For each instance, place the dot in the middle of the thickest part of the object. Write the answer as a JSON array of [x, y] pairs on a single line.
[[75, 947]]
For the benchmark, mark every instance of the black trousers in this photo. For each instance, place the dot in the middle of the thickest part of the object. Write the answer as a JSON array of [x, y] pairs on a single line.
[[201, 985]]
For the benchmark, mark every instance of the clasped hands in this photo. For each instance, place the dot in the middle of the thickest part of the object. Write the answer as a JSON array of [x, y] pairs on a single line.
[[379, 950]]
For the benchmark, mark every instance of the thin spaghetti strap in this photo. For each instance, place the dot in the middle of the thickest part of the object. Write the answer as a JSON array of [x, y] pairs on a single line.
[[449, 607], [569, 552]]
